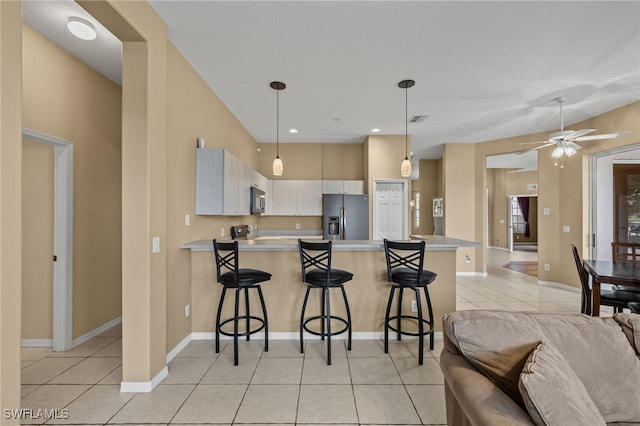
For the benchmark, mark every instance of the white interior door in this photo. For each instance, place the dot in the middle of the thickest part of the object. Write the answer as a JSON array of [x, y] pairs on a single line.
[[390, 210]]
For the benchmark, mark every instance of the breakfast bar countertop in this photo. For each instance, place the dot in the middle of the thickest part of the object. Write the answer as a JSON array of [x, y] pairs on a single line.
[[434, 242]]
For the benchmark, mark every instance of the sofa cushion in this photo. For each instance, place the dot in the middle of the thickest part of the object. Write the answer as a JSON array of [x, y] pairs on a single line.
[[552, 392], [498, 343], [630, 324]]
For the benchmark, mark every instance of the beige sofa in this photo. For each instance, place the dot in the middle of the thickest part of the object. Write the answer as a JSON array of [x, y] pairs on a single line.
[[530, 368]]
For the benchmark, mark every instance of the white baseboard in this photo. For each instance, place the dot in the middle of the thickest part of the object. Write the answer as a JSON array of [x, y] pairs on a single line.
[[95, 332], [499, 248], [179, 347], [143, 387], [559, 285], [471, 274], [293, 335], [37, 343]]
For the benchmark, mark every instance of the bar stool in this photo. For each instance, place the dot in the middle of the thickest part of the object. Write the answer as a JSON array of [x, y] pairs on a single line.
[[405, 261], [315, 261], [635, 307], [226, 255]]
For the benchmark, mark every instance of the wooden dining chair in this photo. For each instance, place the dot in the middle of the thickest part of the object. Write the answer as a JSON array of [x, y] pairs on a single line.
[[625, 252], [619, 300], [628, 253]]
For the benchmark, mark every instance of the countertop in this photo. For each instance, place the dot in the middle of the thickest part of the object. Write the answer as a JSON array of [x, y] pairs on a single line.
[[434, 242]]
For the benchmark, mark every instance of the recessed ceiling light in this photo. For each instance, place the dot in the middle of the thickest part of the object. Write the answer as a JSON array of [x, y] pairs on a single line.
[[293, 130], [81, 28], [376, 130]]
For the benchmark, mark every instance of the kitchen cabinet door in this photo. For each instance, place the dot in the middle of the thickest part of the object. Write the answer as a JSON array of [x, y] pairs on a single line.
[[231, 184], [209, 181], [332, 186], [309, 198], [353, 186], [284, 198]]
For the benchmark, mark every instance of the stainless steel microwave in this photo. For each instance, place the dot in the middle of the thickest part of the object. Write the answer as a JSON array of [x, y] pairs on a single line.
[[257, 201]]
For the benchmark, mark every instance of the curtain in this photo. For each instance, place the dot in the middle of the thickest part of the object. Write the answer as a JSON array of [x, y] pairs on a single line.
[[523, 202]]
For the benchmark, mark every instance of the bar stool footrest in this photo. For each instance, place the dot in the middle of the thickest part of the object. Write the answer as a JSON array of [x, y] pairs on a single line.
[[323, 318], [244, 333], [410, 333]]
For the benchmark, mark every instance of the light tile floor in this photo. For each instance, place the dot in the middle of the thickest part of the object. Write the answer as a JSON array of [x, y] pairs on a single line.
[[363, 386]]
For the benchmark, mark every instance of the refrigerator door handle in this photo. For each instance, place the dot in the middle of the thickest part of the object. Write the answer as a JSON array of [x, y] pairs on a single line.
[[343, 225]]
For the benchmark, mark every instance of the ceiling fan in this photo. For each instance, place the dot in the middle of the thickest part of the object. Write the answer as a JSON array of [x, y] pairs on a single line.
[[565, 140]]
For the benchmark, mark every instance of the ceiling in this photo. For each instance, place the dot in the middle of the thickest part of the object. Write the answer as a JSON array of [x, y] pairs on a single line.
[[483, 70]]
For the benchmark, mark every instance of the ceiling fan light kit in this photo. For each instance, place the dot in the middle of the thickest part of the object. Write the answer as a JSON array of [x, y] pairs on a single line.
[[565, 140]]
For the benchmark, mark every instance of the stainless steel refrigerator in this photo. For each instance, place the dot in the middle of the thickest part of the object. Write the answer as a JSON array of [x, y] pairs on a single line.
[[345, 216]]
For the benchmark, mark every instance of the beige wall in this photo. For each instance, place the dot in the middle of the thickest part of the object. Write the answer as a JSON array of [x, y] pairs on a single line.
[[460, 205], [193, 111], [383, 156], [564, 191], [37, 240], [501, 183], [63, 97], [10, 203], [430, 186]]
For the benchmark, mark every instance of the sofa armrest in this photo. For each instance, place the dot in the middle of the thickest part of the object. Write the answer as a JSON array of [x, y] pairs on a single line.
[[473, 399]]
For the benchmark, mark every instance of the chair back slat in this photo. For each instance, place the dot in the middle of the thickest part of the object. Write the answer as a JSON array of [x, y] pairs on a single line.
[[226, 255], [625, 252], [316, 255], [401, 254], [584, 281]]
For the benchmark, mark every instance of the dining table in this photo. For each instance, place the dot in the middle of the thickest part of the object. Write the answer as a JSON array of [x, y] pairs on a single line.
[[608, 272]]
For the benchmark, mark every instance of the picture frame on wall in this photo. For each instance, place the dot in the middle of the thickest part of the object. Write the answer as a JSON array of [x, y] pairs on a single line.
[[438, 207]]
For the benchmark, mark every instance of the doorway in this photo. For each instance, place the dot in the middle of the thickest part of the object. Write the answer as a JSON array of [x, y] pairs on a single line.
[[390, 204], [523, 223], [61, 257], [614, 187]]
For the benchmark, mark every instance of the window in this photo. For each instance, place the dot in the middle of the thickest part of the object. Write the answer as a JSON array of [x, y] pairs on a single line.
[[516, 217]]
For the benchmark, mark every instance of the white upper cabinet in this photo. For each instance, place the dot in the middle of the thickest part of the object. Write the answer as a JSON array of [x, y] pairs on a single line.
[[296, 198], [342, 187], [222, 183]]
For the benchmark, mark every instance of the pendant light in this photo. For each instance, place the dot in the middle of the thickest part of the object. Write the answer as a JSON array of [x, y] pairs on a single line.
[[405, 167], [278, 167]]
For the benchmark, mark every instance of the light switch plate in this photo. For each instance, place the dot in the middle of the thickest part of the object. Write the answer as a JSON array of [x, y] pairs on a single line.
[[566, 229], [156, 244], [546, 211]]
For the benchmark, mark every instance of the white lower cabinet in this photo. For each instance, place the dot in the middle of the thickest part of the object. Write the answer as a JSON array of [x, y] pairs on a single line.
[[296, 198]]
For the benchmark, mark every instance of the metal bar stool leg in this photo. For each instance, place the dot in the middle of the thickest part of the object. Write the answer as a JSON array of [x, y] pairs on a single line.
[[224, 292], [304, 308], [346, 304], [420, 328], [386, 320], [327, 295], [323, 311], [430, 309], [235, 327], [247, 311], [399, 325], [266, 322]]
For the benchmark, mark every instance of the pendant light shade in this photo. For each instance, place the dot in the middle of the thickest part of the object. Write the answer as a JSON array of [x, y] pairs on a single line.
[[278, 167], [405, 167]]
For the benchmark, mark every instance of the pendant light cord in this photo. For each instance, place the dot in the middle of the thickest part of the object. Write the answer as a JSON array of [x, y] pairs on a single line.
[[277, 123], [406, 123]]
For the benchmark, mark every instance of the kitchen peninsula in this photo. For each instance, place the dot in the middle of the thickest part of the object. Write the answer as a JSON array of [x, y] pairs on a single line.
[[367, 292]]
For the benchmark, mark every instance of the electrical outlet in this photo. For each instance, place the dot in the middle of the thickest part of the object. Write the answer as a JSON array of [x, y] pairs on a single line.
[[297, 226], [414, 306], [222, 232], [187, 220], [547, 267], [156, 244], [187, 310]]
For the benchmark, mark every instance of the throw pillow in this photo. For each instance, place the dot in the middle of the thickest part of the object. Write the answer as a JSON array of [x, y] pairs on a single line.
[[553, 394]]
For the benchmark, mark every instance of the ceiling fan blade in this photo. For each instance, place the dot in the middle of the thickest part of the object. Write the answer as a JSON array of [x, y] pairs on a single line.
[[532, 143], [604, 136], [536, 148], [574, 145], [579, 133]]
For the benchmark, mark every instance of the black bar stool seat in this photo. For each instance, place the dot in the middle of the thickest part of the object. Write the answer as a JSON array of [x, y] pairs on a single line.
[[240, 279], [315, 261], [405, 270]]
